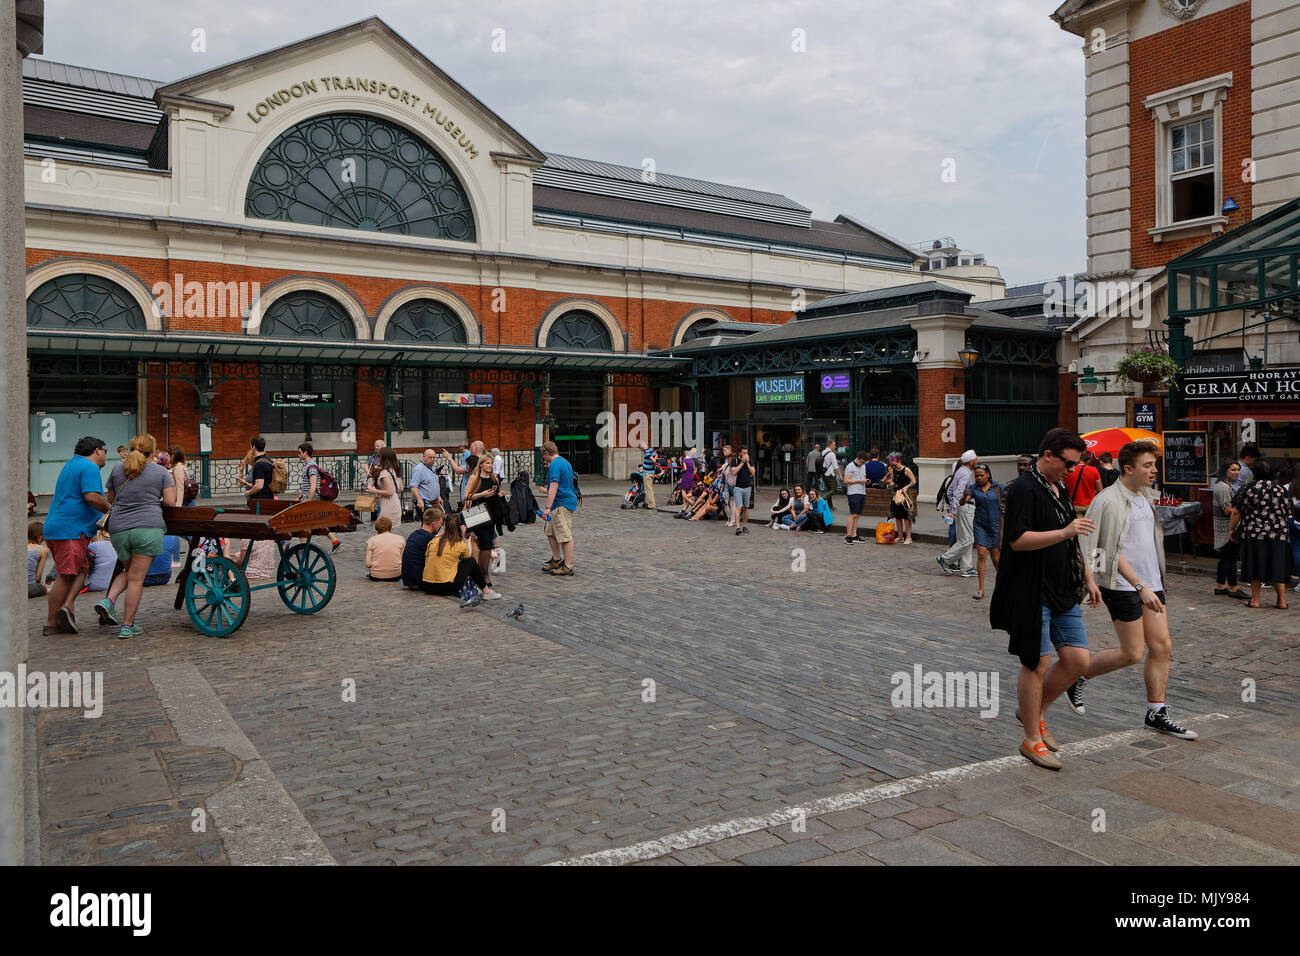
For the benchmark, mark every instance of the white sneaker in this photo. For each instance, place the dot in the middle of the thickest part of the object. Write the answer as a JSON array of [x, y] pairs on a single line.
[[491, 594]]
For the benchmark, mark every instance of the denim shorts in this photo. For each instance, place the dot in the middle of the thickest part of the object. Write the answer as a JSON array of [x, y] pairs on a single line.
[[742, 497], [1062, 629]]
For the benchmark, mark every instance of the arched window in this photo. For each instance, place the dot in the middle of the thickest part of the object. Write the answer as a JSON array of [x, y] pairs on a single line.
[[84, 301], [310, 315], [426, 321], [699, 329], [580, 329], [353, 171]]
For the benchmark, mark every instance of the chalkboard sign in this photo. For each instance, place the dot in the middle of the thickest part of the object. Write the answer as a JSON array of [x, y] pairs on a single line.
[[1186, 462]]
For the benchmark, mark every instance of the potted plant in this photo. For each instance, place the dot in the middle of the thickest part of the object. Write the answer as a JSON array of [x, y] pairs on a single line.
[[397, 422], [1149, 366]]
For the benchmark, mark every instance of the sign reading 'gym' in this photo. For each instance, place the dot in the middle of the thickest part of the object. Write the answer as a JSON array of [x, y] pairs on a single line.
[[1265, 385], [376, 88]]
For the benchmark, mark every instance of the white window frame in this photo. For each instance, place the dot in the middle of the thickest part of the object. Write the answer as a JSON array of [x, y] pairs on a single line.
[[1177, 107]]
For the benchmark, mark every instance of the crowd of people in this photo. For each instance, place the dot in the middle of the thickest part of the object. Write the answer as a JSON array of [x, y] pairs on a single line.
[[721, 487]]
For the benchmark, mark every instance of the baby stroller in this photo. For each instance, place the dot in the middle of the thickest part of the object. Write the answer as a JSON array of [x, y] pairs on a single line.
[[634, 497]]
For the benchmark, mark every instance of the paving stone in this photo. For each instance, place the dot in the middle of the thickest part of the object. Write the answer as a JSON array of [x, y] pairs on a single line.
[[920, 851], [786, 855], [995, 841], [923, 817]]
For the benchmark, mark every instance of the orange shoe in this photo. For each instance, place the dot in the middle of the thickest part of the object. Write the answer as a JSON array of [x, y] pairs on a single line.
[[1040, 754]]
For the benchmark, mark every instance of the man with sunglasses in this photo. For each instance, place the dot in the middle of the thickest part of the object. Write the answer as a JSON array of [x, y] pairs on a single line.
[[1039, 587]]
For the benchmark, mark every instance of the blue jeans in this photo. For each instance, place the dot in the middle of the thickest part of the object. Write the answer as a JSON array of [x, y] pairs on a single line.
[[1062, 629]]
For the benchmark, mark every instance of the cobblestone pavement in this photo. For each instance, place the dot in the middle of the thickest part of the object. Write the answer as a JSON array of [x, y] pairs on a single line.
[[476, 739]]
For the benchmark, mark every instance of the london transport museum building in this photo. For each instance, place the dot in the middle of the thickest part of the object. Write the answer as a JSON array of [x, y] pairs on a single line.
[[334, 240]]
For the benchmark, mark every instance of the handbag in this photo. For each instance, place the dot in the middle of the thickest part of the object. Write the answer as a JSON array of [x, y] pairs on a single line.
[[365, 503], [886, 533], [475, 516], [102, 523]]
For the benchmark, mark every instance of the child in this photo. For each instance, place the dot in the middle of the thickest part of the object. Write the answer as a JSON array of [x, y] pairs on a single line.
[[37, 556], [103, 559], [384, 552]]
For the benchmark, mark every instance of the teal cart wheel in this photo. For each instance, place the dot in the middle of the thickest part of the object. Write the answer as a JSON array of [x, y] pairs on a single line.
[[306, 578], [217, 597]]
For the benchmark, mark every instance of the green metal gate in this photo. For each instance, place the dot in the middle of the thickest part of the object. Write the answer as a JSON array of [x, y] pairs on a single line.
[[889, 428]]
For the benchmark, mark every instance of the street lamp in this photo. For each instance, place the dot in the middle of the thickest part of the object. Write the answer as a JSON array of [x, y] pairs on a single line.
[[1089, 383], [968, 357]]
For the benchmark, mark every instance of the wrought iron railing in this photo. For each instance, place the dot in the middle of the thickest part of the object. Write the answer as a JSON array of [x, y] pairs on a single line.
[[1002, 428]]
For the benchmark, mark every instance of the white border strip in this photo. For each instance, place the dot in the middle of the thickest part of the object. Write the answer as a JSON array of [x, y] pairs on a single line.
[[650, 849]]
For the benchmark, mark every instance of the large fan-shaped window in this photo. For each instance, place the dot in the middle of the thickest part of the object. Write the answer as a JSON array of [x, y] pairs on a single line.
[[309, 315], [580, 329], [84, 301], [359, 172], [427, 321]]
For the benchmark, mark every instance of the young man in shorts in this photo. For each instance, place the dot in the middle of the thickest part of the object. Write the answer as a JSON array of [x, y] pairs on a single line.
[[1039, 586], [561, 502], [855, 483], [1127, 553]]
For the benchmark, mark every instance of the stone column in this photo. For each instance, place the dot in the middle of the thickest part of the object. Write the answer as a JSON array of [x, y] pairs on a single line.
[[20, 34], [942, 431]]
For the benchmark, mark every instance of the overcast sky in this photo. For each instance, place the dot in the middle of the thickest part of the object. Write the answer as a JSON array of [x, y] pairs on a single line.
[[860, 123]]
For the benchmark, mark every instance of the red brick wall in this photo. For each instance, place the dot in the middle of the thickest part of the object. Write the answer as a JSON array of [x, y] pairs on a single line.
[[1185, 53], [1068, 402], [650, 323], [932, 385]]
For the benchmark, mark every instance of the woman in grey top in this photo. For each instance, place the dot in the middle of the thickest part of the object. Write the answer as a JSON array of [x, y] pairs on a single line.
[[137, 490], [1226, 576]]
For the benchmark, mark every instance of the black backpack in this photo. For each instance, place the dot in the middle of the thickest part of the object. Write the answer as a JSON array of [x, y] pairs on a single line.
[[941, 499], [577, 489]]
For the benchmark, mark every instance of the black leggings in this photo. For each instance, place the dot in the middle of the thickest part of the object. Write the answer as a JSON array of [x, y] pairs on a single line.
[[1227, 570], [467, 568]]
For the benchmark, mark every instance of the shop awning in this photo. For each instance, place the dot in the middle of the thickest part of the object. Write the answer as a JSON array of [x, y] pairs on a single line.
[[1253, 267], [189, 347]]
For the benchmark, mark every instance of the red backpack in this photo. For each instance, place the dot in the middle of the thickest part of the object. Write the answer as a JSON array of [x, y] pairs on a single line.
[[328, 487]]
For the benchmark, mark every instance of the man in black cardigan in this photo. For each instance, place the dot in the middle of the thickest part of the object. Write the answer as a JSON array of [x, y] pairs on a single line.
[[1041, 581]]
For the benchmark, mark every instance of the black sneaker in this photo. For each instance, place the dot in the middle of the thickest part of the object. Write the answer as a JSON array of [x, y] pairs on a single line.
[[857, 537], [1161, 721], [1074, 694], [849, 539], [739, 532]]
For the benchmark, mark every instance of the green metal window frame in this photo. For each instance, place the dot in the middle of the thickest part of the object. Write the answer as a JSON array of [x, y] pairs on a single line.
[[81, 300], [425, 320], [307, 314], [580, 330], [354, 171]]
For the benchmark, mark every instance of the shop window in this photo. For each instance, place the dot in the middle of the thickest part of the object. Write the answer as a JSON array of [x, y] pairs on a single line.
[[352, 171], [311, 315], [420, 408], [81, 301], [580, 330], [1188, 156], [426, 321]]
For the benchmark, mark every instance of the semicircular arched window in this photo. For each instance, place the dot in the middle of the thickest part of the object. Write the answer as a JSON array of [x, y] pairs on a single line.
[[580, 329], [427, 321], [84, 301], [352, 171], [306, 314], [699, 329]]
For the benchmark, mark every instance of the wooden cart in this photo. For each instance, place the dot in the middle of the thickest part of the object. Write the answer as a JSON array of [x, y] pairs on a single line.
[[215, 591]]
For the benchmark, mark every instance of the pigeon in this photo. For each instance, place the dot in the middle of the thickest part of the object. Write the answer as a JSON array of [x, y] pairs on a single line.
[[470, 603], [517, 612]]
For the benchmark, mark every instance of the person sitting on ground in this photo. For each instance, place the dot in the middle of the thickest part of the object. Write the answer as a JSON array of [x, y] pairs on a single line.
[[447, 564], [38, 555], [31, 504], [798, 504], [782, 508], [103, 559], [815, 515], [160, 568], [384, 552], [708, 504], [417, 543]]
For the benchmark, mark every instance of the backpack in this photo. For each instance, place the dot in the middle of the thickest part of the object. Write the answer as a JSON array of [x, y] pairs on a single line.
[[941, 499], [279, 475], [191, 491], [577, 489], [328, 486]]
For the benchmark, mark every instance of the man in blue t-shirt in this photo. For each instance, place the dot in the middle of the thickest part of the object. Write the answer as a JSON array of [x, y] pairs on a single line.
[[649, 468], [561, 502], [74, 512], [876, 469], [416, 546]]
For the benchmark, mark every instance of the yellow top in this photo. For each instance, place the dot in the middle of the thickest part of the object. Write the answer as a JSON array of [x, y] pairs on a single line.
[[440, 570]]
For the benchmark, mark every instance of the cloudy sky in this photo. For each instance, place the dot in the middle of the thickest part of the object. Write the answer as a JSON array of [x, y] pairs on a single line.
[[860, 122]]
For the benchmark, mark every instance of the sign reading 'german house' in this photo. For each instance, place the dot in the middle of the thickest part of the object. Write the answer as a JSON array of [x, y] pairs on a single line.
[[1265, 385]]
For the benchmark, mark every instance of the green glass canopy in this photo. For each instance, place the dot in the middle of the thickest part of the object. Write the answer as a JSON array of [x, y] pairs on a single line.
[[1253, 267]]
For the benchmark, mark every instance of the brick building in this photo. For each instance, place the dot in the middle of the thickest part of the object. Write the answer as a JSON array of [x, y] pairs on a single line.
[[1193, 143], [336, 240]]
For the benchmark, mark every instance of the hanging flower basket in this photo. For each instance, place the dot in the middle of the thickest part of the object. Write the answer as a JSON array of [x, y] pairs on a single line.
[[1148, 366]]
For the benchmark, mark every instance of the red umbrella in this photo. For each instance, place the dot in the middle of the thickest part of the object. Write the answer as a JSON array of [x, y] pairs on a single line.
[[1113, 439]]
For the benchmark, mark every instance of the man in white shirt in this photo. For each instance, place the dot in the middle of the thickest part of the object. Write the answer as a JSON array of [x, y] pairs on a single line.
[[963, 549], [831, 473], [498, 464], [1126, 554], [855, 483]]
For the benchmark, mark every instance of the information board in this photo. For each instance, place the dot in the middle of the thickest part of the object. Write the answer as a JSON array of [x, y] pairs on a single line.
[[302, 399], [837, 382], [1185, 461], [1144, 415], [778, 390]]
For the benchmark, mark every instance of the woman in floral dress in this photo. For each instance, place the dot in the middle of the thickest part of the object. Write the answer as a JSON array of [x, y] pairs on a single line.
[[1263, 510]]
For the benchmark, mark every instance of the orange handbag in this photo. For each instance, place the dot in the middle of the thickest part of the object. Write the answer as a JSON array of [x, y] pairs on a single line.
[[886, 533]]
